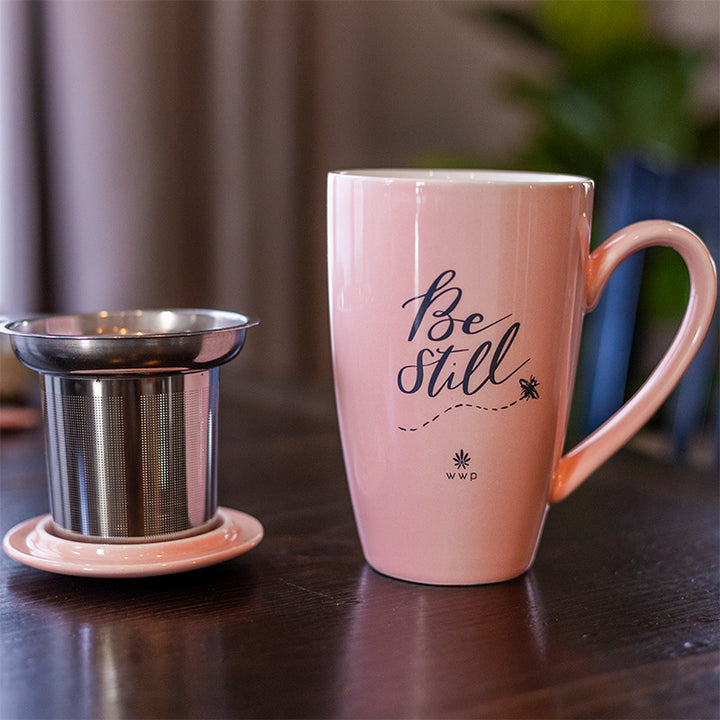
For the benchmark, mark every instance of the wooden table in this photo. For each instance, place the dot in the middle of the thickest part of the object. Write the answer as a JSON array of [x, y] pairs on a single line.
[[618, 617]]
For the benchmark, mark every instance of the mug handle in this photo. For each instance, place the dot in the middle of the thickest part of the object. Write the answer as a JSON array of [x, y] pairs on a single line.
[[575, 466]]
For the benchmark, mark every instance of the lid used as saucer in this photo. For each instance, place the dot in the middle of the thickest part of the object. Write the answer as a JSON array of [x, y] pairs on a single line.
[[34, 543]]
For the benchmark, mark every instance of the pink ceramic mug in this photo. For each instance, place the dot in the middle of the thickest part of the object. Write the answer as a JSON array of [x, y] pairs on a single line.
[[456, 303]]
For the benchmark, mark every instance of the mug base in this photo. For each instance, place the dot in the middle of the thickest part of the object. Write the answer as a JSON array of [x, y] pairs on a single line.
[[449, 580]]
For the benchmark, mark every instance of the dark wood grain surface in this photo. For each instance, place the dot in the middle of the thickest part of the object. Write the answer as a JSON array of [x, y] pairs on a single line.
[[618, 618]]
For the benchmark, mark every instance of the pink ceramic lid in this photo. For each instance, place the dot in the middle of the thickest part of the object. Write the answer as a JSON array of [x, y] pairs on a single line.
[[34, 543]]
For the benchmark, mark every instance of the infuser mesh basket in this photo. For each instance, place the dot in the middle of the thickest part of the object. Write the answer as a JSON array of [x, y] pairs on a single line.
[[132, 458]]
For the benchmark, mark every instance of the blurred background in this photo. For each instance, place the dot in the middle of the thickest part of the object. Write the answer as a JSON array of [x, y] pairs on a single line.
[[175, 153]]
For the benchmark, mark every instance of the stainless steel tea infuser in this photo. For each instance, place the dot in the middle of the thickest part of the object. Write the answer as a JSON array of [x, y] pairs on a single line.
[[130, 403]]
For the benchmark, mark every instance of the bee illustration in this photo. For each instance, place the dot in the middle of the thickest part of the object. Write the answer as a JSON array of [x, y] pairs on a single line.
[[528, 388]]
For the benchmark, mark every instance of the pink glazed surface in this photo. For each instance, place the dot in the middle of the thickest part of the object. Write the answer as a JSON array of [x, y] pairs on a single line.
[[456, 307]]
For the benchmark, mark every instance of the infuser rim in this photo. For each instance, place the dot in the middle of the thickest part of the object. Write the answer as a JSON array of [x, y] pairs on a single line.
[[223, 320]]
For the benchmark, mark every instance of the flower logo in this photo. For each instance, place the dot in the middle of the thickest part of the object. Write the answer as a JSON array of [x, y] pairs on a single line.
[[461, 460]]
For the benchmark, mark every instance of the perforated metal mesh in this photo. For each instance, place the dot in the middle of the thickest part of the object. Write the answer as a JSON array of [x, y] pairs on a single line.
[[131, 457]]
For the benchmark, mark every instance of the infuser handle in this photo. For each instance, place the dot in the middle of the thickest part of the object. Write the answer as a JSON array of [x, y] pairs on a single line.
[[575, 466]]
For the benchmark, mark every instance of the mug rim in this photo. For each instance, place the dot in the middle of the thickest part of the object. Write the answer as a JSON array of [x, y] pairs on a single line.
[[459, 175]]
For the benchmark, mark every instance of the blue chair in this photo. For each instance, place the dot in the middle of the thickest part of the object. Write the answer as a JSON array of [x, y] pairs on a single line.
[[639, 190]]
